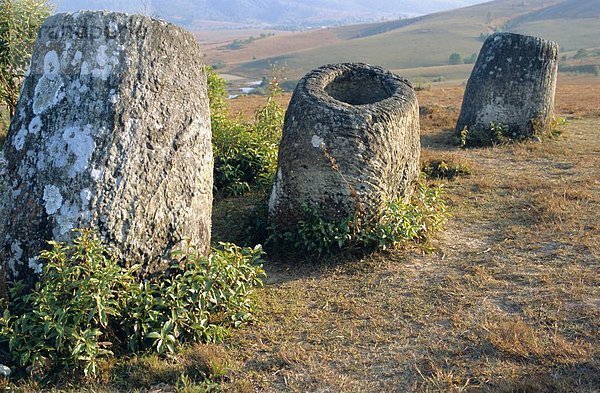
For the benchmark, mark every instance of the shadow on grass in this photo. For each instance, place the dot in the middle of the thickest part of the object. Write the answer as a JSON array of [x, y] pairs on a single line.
[[439, 140]]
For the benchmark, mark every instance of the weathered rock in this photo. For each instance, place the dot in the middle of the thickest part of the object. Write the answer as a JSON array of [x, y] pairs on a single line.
[[350, 143], [512, 87], [111, 132]]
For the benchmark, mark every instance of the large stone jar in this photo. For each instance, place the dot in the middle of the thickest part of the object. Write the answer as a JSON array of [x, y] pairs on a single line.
[[112, 132], [510, 93], [350, 143]]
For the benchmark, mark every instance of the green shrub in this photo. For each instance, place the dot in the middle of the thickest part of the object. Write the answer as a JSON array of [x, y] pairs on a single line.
[[245, 152], [86, 307], [396, 224], [495, 134]]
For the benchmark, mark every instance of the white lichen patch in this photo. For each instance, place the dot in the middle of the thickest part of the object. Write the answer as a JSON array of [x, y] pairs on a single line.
[[35, 125], [317, 141], [3, 163], [86, 197], [81, 144], [66, 220], [53, 199], [113, 97], [56, 153], [96, 174], [48, 90], [77, 58], [19, 138], [35, 265], [85, 69], [51, 64], [17, 254], [106, 63]]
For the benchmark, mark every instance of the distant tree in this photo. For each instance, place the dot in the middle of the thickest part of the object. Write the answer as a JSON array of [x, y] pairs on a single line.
[[581, 54], [471, 59], [455, 58], [563, 58], [20, 21]]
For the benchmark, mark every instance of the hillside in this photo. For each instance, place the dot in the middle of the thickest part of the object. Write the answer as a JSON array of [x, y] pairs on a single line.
[[420, 42], [192, 13]]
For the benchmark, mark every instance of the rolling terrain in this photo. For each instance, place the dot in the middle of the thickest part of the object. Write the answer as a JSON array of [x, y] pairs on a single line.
[[419, 43]]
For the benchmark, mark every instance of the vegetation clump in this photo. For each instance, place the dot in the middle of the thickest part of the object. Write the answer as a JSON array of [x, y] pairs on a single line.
[[86, 307], [499, 133], [444, 169], [245, 152], [397, 223]]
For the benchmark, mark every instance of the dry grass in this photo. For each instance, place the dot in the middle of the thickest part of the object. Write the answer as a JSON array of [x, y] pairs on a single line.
[[509, 302]]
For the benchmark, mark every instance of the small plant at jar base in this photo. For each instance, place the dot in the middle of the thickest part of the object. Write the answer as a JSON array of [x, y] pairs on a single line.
[[495, 134], [397, 223], [462, 137], [86, 306], [499, 133], [552, 130]]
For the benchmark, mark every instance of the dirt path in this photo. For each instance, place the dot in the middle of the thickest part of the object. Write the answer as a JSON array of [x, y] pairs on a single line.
[[510, 300]]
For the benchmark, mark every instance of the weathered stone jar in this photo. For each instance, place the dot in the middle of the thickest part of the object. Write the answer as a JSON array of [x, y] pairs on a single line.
[[112, 132], [350, 142], [510, 93]]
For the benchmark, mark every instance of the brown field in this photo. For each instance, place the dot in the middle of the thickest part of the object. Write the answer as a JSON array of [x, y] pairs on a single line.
[[271, 46], [576, 97], [509, 301]]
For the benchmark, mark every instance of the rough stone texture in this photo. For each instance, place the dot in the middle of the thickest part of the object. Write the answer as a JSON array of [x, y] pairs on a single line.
[[512, 84], [351, 133], [111, 132]]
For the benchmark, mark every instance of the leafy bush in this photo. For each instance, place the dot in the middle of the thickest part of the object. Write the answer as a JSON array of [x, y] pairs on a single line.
[[86, 307], [245, 153], [397, 223]]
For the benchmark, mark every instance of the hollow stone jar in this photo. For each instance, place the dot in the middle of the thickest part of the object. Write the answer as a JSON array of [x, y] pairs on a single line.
[[350, 143], [510, 89]]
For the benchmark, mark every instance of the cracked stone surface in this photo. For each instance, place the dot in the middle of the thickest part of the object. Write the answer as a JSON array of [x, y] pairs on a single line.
[[350, 141], [111, 132], [513, 83]]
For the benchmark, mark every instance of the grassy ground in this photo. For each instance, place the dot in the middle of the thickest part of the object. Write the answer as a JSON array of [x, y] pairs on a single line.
[[510, 301]]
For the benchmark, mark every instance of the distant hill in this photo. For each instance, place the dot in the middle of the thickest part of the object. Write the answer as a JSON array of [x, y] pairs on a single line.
[[422, 44], [270, 12]]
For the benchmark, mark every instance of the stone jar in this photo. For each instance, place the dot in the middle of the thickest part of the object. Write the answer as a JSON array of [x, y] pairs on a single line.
[[350, 143], [111, 132], [510, 93]]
